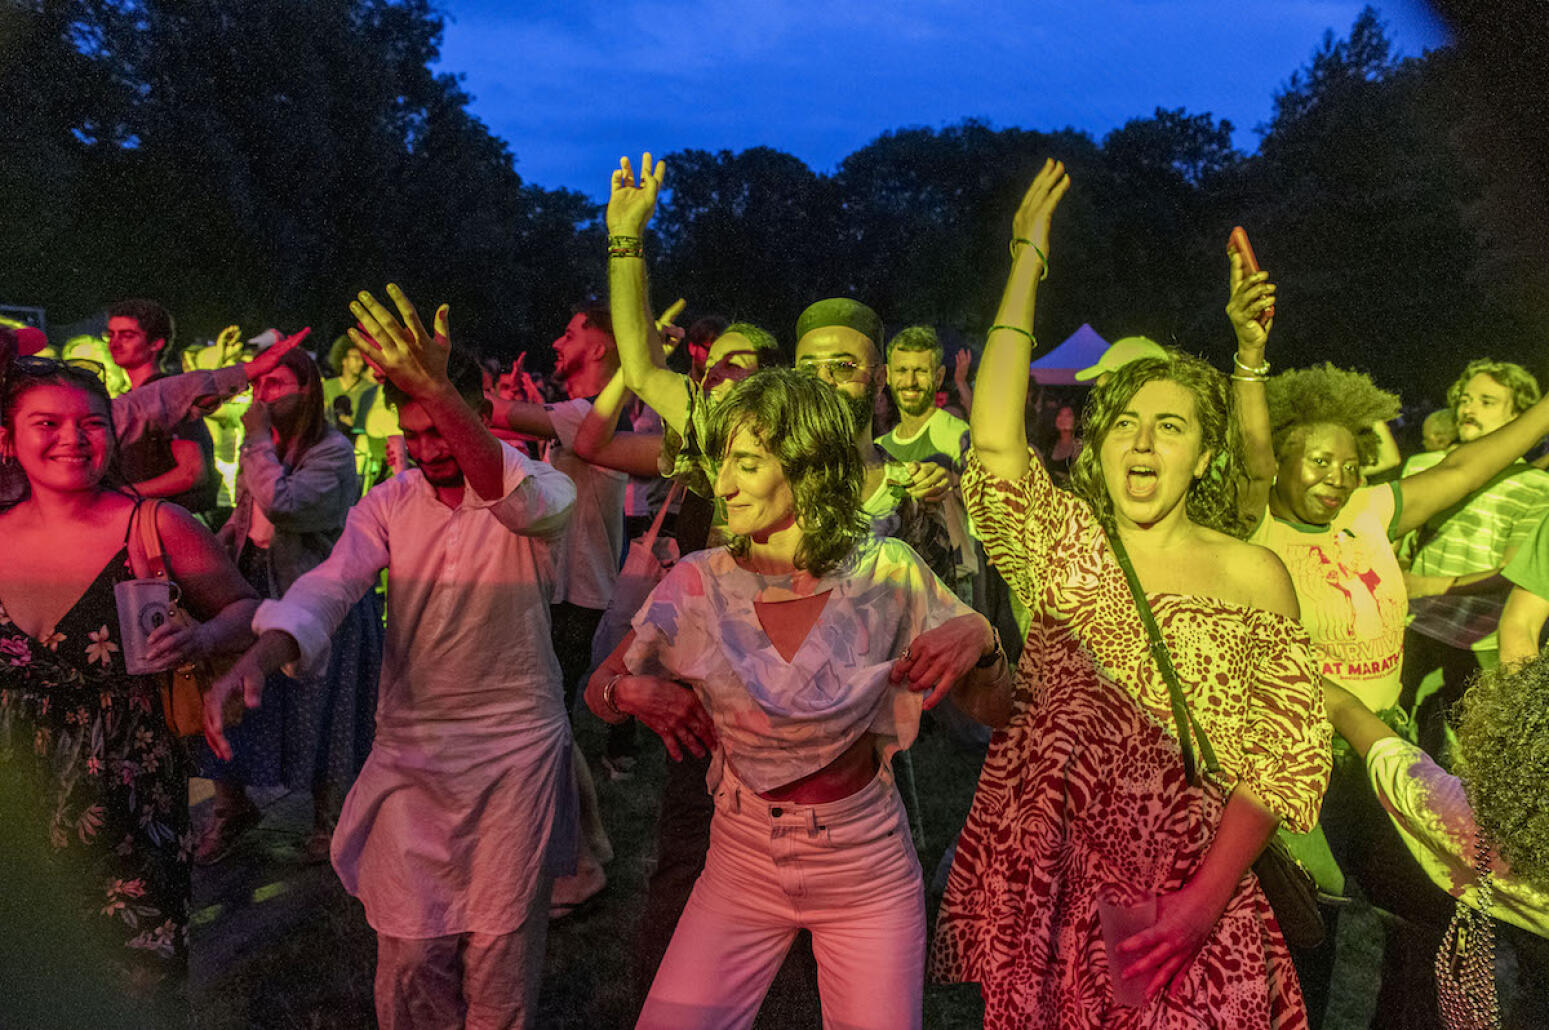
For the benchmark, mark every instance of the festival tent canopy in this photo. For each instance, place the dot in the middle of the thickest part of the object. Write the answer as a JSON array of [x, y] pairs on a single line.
[[1080, 350]]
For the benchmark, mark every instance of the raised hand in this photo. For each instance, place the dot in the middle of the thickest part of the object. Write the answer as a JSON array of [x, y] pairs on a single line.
[[1252, 296], [1031, 221], [230, 343], [629, 205], [269, 359], [962, 361], [255, 420], [402, 351]]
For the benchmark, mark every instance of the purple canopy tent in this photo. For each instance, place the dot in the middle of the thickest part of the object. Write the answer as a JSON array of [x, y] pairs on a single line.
[[1080, 350]]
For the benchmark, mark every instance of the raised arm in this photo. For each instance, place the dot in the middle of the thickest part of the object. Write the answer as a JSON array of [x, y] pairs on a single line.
[[416, 363], [961, 363], [996, 423], [166, 402], [1468, 467], [1251, 296], [641, 358], [599, 441], [1388, 454]]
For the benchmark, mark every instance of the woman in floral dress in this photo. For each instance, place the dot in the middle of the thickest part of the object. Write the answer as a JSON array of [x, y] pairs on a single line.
[[1083, 796], [86, 739]]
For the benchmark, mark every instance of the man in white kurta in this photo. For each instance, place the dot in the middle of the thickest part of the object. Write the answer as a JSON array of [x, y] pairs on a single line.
[[465, 810]]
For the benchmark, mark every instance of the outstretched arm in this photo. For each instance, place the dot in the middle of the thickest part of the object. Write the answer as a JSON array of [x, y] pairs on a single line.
[[1251, 296], [416, 363], [640, 351], [995, 420], [164, 403], [1468, 467]]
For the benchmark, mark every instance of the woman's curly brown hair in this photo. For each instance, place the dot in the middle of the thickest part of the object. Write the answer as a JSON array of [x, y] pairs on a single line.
[[1212, 498], [1503, 761], [1324, 394], [805, 425]]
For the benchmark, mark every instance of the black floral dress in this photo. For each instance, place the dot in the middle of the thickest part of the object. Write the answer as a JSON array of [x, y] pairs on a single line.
[[91, 742]]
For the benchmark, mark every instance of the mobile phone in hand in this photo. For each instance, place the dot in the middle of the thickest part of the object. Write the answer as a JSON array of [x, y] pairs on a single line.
[[1238, 241]]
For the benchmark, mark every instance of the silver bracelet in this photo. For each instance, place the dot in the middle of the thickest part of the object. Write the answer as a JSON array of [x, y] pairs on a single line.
[[1262, 370]]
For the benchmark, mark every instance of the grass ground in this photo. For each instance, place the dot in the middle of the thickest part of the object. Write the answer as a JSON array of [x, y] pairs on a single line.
[[279, 945]]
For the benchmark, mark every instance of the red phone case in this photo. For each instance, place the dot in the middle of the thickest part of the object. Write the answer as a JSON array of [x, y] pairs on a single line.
[[1238, 241]]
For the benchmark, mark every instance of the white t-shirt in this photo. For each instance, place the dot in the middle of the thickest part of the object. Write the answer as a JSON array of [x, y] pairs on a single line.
[[587, 565]]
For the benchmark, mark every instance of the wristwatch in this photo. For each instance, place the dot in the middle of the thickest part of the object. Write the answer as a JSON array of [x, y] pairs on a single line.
[[996, 653]]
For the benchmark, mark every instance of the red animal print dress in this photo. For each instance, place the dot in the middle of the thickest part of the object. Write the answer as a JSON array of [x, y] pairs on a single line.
[[1084, 791]]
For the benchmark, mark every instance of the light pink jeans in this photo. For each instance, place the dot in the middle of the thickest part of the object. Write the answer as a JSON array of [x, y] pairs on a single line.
[[844, 870]]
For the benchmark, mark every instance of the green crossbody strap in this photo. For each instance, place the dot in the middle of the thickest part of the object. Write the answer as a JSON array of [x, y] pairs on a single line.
[[1181, 714]]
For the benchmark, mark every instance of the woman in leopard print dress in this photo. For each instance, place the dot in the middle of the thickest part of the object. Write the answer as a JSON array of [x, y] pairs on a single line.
[[1084, 795]]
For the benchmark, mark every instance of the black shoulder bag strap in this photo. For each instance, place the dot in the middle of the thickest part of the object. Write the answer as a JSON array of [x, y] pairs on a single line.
[[1181, 713]]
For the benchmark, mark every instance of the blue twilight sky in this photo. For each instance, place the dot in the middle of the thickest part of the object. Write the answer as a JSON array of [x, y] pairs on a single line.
[[572, 84]]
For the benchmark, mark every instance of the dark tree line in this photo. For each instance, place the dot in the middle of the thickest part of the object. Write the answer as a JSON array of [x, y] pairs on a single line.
[[259, 162]]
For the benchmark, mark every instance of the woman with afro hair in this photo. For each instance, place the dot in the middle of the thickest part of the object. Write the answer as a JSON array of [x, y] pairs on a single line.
[[1306, 435]]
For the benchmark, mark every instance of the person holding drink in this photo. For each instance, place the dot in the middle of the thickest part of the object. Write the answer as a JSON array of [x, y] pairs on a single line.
[[89, 736], [1085, 802]]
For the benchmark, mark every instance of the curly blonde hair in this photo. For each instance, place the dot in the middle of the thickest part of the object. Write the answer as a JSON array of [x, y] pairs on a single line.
[[1212, 498], [806, 426], [1503, 761]]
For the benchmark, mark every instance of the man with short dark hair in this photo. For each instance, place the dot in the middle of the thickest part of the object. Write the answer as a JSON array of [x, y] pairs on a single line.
[[585, 358], [915, 373], [178, 465], [465, 809]]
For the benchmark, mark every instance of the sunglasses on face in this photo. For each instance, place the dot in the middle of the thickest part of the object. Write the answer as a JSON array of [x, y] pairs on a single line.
[[838, 370]]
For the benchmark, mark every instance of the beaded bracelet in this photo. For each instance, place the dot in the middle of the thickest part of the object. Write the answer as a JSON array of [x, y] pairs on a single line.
[[1017, 329], [1043, 259], [1262, 370], [625, 246]]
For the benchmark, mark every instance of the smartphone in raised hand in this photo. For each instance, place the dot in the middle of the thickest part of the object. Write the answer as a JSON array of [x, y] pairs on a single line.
[[1238, 241]]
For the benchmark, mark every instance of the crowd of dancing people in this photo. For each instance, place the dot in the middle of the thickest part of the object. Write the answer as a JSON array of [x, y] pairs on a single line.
[[1229, 660]]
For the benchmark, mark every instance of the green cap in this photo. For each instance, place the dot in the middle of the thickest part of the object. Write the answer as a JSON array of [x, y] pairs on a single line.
[[851, 314]]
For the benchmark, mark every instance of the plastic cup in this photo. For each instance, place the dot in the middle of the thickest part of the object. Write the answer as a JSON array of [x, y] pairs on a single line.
[[1119, 923]]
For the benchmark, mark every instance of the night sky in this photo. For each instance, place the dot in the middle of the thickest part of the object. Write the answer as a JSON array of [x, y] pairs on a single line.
[[572, 84]]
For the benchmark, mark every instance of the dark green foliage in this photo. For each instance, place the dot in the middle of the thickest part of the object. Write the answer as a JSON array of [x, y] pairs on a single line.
[[261, 162]]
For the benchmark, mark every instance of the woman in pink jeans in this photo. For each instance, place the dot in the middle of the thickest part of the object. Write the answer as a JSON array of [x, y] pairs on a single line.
[[800, 656]]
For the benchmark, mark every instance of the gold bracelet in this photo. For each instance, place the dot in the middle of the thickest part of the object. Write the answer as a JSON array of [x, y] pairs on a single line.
[[1248, 379], [607, 695]]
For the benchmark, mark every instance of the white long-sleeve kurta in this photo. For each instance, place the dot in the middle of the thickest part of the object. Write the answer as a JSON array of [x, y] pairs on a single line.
[[466, 798]]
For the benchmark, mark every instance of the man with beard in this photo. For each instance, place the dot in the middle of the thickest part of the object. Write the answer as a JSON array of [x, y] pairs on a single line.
[[585, 359], [178, 464], [914, 375], [465, 810], [839, 341], [587, 560], [1456, 587]]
